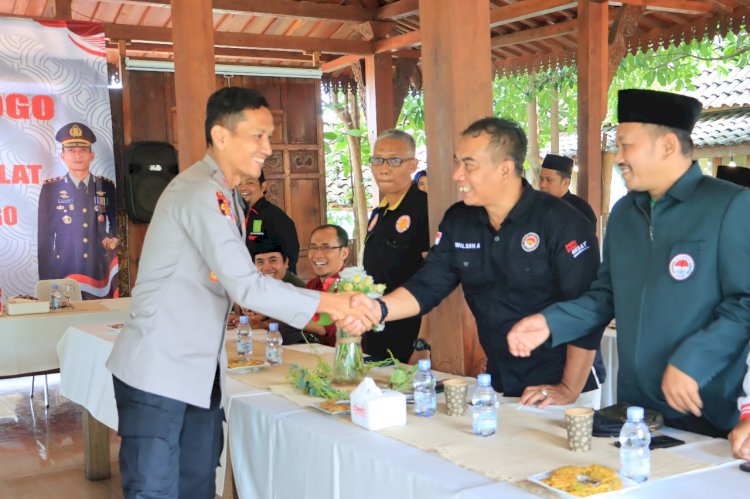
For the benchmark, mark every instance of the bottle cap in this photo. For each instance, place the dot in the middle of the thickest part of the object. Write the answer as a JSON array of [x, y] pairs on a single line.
[[274, 326], [243, 319], [635, 413], [424, 364], [484, 379]]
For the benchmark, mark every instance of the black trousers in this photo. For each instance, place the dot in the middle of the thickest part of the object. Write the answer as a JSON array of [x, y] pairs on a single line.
[[169, 449]]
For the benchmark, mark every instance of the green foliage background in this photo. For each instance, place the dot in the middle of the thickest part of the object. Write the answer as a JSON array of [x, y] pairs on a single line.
[[671, 69]]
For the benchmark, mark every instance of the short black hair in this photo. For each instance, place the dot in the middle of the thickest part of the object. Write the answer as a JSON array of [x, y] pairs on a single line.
[[563, 175], [341, 233], [262, 178], [506, 137], [683, 137], [226, 104]]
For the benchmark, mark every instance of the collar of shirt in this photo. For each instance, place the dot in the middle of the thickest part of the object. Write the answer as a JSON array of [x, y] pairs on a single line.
[[384, 202], [521, 209], [76, 182], [680, 190], [260, 204]]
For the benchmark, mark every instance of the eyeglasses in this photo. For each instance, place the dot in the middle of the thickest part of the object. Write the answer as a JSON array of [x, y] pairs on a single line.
[[392, 162], [324, 249]]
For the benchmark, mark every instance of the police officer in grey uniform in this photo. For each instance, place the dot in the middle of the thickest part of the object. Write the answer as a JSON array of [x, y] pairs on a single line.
[[169, 359], [77, 234]]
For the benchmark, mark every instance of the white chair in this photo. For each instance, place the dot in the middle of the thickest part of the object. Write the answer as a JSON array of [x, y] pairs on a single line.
[[42, 291], [44, 288]]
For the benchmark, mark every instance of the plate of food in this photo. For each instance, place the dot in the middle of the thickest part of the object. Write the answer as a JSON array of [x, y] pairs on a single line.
[[115, 327], [333, 407], [583, 481], [238, 366]]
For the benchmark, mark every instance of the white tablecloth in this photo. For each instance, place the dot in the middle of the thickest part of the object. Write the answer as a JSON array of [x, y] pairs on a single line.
[[28, 342], [85, 380], [281, 450]]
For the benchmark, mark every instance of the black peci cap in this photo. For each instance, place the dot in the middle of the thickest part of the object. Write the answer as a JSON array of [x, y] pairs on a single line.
[[559, 163], [658, 108]]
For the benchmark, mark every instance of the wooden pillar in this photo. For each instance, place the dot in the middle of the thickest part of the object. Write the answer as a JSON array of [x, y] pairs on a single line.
[[379, 91], [63, 10], [592, 62], [193, 39], [457, 76]]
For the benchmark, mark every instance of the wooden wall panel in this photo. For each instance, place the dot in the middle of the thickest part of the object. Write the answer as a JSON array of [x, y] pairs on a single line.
[[148, 106], [305, 193], [295, 171], [301, 114]]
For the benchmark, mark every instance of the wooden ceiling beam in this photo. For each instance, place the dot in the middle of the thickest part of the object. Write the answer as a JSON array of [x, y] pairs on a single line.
[[397, 10], [279, 55], [307, 11], [247, 40], [527, 9], [529, 35], [693, 7], [340, 63], [407, 40]]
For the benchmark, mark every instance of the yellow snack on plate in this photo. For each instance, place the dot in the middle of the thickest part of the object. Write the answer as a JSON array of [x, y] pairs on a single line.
[[584, 481]]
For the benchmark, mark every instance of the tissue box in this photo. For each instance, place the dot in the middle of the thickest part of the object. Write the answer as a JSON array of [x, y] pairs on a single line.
[[17, 306], [376, 409]]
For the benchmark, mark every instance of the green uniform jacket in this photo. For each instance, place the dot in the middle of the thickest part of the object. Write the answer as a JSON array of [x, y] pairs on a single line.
[[677, 277]]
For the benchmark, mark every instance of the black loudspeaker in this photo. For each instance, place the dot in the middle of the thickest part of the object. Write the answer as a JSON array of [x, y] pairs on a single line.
[[736, 174], [148, 166]]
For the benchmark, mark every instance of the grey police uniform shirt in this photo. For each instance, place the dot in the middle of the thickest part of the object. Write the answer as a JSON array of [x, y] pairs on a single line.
[[194, 265]]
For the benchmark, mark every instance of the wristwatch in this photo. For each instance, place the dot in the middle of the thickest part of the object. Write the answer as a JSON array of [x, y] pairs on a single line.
[[420, 344], [383, 310]]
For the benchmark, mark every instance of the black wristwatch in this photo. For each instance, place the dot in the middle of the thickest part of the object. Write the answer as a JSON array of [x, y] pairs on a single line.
[[420, 344], [383, 310]]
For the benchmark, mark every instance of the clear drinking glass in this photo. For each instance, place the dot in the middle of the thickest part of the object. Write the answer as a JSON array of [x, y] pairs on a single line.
[[67, 292]]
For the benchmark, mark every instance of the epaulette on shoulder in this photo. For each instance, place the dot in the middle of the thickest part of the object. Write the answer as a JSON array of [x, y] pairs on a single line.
[[104, 179], [54, 179]]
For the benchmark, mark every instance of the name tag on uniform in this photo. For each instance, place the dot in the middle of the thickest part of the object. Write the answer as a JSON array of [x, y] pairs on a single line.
[[468, 246]]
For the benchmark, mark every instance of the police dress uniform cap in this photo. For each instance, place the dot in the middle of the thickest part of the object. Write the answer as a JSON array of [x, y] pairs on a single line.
[[75, 134], [658, 108], [559, 163]]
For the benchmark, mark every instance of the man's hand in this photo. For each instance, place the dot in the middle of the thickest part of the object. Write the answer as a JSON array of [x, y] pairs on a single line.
[[527, 334], [353, 316], [740, 440], [544, 395], [681, 391]]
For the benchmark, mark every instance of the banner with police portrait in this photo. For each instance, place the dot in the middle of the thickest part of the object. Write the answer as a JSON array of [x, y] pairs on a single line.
[[57, 172]]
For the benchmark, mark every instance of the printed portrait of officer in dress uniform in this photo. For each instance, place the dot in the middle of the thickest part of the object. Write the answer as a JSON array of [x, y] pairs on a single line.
[[77, 224]]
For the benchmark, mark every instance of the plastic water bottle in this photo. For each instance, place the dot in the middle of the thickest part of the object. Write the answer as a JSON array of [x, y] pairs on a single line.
[[55, 298], [425, 398], [273, 344], [244, 339], [635, 456], [484, 407]]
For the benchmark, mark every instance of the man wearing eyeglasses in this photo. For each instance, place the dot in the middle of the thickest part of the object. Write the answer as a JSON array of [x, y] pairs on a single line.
[[328, 252], [397, 236]]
